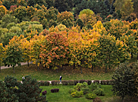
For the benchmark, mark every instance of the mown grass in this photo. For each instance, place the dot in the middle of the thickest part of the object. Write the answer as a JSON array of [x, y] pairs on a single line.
[[68, 73], [64, 96]]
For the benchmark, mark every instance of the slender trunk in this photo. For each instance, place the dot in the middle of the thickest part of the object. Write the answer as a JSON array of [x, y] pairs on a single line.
[[131, 55], [38, 67], [57, 70], [81, 70], [13, 70], [92, 67], [109, 66], [137, 56], [74, 66], [28, 63], [0, 68], [105, 69]]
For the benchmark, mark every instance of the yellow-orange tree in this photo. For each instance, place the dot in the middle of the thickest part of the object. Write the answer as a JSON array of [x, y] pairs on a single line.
[[131, 43], [82, 47], [35, 45], [26, 49], [116, 27], [1, 54], [65, 18], [54, 50]]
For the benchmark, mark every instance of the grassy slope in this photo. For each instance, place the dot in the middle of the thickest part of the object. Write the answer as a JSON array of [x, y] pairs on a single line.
[[68, 73]]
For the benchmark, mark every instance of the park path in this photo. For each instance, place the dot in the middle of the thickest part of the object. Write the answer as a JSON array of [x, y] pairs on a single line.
[[22, 63]]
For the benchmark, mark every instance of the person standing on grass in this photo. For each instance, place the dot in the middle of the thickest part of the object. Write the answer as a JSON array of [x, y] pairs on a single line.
[[60, 78]]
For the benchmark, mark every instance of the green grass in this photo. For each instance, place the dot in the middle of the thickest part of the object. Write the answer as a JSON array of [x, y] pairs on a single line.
[[64, 96], [68, 73]]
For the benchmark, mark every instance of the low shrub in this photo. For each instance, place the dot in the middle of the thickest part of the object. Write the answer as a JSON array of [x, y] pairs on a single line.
[[44, 92], [65, 82], [81, 81], [85, 90], [91, 96], [77, 94], [54, 90], [78, 86], [111, 82], [44, 83], [71, 90], [55, 82], [84, 84], [104, 82], [89, 82], [99, 92], [76, 81], [71, 82], [96, 81], [94, 86]]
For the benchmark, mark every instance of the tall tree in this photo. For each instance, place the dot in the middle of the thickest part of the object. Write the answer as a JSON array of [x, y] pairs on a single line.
[[1, 55], [13, 54], [124, 6]]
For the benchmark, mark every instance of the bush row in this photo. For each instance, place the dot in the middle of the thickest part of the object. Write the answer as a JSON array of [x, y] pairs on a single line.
[[74, 82]]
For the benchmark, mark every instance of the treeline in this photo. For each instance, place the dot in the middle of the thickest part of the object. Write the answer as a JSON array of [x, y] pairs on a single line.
[[106, 45], [46, 11], [87, 34]]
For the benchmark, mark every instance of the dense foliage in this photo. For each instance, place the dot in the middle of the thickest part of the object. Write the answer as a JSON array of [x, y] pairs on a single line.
[[83, 33]]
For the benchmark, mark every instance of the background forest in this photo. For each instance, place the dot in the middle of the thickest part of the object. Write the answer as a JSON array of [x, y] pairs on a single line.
[[84, 33]]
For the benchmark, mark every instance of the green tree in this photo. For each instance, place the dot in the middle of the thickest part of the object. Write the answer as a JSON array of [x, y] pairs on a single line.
[[20, 13], [111, 50], [6, 37], [123, 81], [3, 92], [13, 55], [1, 54], [29, 91]]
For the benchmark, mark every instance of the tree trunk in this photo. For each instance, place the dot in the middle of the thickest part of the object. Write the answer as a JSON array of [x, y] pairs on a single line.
[[131, 55], [74, 66], [57, 70], [0, 68], [105, 69], [28, 63], [81, 70], [137, 56], [13, 70], [92, 67], [38, 67]]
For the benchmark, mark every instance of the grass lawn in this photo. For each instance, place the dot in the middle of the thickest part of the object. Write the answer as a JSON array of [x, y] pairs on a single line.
[[64, 96], [68, 73]]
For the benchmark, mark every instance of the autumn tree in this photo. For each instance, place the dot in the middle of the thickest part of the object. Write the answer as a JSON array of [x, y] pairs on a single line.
[[3, 11], [65, 18], [116, 27], [131, 43], [54, 50], [1, 55], [35, 50], [87, 16]]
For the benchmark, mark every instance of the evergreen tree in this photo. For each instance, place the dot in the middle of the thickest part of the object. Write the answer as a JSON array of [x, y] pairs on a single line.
[[29, 91]]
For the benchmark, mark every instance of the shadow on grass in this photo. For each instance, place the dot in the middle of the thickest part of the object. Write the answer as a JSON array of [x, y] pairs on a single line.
[[118, 99]]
